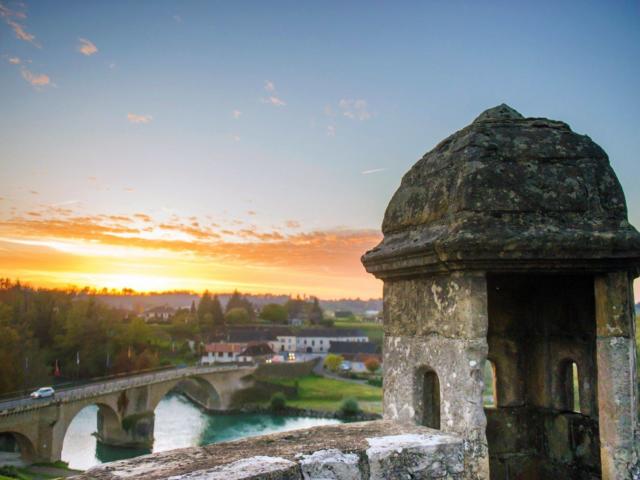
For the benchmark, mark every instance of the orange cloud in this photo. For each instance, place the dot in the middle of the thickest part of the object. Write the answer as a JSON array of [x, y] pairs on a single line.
[[37, 80], [8, 14], [114, 251], [86, 47]]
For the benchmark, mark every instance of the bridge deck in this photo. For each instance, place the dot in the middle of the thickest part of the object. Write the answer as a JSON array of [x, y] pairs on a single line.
[[70, 394]]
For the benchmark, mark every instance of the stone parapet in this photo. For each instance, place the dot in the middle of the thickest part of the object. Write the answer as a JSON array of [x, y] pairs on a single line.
[[375, 450]]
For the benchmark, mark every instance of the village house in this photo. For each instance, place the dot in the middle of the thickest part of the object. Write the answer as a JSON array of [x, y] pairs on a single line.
[[158, 314], [223, 352]]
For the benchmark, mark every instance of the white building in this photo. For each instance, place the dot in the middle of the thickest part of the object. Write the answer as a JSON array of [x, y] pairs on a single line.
[[315, 340], [223, 352], [158, 314]]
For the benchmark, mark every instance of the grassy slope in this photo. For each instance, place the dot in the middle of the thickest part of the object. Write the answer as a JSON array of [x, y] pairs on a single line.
[[320, 393], [372, 330]]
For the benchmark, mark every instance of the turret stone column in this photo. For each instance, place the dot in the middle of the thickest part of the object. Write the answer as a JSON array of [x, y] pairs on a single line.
[[617, 385], [436, 331]]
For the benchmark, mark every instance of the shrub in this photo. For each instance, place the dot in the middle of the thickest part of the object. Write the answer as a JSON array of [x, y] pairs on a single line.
[[9, 471], [372, 365], [349, 407], [278, 401], [375, 382], [332, 362]]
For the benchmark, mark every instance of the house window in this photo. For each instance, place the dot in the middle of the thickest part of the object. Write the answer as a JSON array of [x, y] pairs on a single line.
[[313, 343]]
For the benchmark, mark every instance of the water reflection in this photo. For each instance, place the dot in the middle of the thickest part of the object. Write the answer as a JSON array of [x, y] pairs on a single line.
[[178, 424]]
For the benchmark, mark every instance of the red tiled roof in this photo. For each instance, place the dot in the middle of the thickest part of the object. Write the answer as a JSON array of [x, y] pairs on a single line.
[[225, 347]]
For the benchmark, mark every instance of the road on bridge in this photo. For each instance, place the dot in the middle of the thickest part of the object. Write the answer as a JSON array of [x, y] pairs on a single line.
[[106, 386]]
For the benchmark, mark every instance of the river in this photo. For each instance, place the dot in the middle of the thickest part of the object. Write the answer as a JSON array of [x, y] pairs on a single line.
[[178, 424]]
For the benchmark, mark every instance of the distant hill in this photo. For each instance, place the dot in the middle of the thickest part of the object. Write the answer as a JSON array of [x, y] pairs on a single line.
[[140, 302]]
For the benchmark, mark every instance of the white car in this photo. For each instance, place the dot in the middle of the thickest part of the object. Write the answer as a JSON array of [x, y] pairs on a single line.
[[345, 366], [43, 392]]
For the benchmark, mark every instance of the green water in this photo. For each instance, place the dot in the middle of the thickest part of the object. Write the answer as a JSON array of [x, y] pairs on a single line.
[[178, 424]]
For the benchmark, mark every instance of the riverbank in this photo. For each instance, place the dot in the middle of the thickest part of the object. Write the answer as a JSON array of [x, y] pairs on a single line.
[[327, 394], [302, 412], [37, 471]]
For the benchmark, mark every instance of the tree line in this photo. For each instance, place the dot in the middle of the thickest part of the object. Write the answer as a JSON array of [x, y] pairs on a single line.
[[51, 335]]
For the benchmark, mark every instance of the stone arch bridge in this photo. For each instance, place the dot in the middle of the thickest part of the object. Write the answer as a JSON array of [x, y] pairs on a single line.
[[125, 407]]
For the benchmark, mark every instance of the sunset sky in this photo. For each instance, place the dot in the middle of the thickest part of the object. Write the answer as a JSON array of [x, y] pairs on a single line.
[[254, 145]]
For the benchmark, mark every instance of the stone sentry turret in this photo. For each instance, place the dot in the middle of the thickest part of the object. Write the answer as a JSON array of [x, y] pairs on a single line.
[[509, 243]]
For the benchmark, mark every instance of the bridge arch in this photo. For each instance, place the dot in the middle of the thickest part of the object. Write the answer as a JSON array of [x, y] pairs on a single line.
[[107, 414], [195, 387], [86, 433], [16, 442]]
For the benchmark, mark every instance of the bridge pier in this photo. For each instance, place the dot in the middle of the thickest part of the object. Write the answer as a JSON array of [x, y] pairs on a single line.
[[135, 431]]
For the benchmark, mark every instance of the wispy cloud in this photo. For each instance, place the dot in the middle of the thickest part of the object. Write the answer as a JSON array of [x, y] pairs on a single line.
[[275, 101], [87, 47], [331, 131], [292, 224], [14, 60], [373, 170], [35, 79], [272, 98], [136, 118], [236, 114], [355, 109], [9, 15], [177, 18]]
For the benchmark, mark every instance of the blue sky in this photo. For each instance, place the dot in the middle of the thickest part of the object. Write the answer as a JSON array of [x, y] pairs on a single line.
[[290, 116]]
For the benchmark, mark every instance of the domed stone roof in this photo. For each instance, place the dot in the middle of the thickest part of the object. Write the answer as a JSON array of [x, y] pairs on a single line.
[[508, 193]]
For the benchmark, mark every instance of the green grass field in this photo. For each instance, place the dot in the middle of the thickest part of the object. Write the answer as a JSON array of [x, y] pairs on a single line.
[[320, 393]]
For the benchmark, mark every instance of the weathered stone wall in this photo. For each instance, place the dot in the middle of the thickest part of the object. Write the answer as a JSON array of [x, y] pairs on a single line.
[[538, 325], [439, 325], [378, 450], [535, 443]]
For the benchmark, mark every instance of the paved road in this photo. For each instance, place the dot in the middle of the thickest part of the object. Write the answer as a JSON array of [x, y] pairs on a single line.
[[320, 370], [107, 386]]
